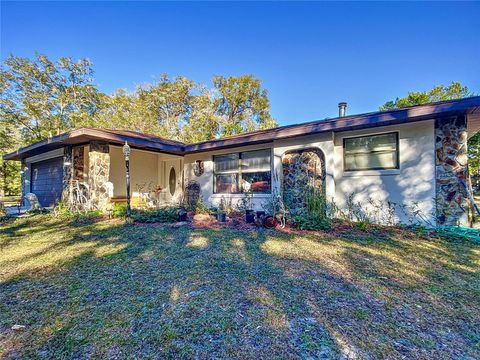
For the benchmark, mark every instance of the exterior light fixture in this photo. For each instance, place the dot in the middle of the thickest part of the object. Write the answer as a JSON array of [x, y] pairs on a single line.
[[198, 168], [126, 153]]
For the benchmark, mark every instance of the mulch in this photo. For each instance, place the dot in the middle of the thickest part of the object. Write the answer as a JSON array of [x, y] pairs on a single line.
[[205, 221]]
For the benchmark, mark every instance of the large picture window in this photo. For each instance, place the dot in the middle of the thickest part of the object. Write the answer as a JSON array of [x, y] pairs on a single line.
[[243, 172], [374, 152]]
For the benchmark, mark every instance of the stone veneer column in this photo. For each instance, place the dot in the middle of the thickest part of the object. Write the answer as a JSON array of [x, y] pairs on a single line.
[[98, 173], [451, 167]]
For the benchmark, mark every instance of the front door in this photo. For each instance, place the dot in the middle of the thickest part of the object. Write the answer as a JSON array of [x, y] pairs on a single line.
[[173, 181]]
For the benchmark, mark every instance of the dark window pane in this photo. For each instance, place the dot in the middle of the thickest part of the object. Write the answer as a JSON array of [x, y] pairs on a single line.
[[371, 152], [258, 160], [226, 163], [226, 183], [383, 142], [257, 182], [382, 160]]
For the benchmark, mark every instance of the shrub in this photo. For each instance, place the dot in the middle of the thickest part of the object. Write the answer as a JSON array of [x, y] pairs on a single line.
[[6, 218], [201, 208], [362, 224], [85, 217], [312, 221], [62, 211], [246, 202], [119, 210], [315, 217], [315, 201], [163, 215]]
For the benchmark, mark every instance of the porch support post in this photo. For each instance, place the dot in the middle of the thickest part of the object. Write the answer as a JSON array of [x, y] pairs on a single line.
[[129, 209]]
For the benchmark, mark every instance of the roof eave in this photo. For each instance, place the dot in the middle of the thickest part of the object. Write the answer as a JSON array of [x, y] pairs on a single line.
[[348, 123], [84, 135]]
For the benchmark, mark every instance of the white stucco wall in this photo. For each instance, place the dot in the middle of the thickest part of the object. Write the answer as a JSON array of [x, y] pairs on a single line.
[[324, 142], [143, 170], [147, 169], [413, 182], [206, 179]]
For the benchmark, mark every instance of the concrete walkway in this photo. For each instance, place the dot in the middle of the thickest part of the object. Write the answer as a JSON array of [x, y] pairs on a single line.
[[16, 210]]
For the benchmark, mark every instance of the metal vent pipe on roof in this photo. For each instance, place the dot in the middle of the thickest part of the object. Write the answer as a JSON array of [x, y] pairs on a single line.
[[342, 107]]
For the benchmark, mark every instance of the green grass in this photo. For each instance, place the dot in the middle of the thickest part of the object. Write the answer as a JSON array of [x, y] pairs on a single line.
[[103, 290]]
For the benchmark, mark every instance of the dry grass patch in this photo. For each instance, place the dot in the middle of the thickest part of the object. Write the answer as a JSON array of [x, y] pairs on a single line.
[[109, 291]]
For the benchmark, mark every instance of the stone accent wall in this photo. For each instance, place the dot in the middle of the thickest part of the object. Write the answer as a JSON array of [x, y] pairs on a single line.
[[98, 174], [451, 167], [302, 169], [75, 189], [78, 163]]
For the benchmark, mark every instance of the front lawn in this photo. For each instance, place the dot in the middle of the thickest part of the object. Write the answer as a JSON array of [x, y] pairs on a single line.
[[149, 291]]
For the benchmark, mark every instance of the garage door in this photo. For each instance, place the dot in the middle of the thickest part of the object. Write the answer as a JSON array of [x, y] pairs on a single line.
[[46, 182]]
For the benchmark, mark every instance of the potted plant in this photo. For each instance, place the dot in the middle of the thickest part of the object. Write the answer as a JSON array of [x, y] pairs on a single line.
[[221, 215], [249, 216], [275, 211], [182, 211], [182, 215], [248, 206]]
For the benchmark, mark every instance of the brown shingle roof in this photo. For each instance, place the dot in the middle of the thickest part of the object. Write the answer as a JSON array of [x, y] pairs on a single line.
[[135, 134], [158, 144]]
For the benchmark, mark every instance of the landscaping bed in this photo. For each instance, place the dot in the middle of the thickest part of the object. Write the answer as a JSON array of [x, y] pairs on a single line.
[[103, 289]]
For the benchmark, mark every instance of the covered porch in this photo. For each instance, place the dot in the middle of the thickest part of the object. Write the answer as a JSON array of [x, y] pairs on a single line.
[[85, 169], [156, 179]]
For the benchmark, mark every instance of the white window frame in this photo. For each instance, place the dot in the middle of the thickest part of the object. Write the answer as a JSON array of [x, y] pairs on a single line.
[[397, 152], [239, 173]]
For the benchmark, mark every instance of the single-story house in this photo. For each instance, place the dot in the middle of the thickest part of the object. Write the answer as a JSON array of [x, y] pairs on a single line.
[[415, 155]]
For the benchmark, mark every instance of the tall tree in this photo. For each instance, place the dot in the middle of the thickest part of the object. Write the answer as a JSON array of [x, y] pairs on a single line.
[[9, 170], [42, 97], [161, 108], [242, 104], [39, 98], [203, 122], [439, 93]]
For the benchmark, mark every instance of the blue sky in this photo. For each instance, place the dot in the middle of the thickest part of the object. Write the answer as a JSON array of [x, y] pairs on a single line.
[[309, 56]]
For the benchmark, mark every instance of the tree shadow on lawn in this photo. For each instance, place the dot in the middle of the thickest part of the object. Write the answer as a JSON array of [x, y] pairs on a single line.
[[162, 292], [430, 289], [13, 230]]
